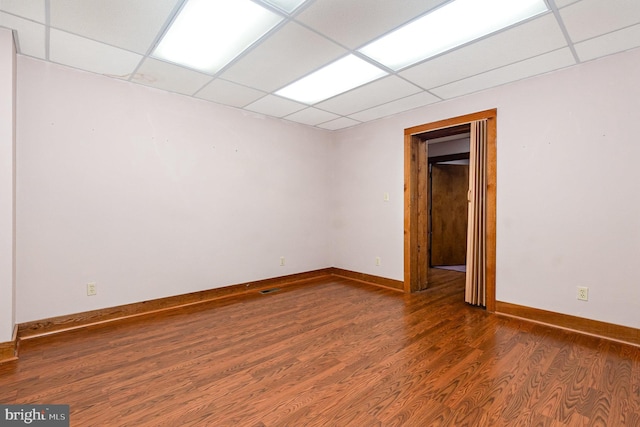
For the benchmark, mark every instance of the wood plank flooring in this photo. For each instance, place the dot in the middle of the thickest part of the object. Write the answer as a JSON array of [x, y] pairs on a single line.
[[332, 352]]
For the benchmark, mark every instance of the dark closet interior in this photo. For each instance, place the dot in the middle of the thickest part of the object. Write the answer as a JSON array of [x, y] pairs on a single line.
[[448, 199]]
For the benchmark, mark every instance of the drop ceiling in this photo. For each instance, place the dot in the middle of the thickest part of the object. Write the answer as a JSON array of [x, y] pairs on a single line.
[[116, 38]]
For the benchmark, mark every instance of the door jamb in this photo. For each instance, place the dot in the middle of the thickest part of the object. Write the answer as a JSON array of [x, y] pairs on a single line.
[[416, 203]]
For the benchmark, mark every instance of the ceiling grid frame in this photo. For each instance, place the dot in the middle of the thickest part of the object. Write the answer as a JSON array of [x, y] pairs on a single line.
[[377, 18]]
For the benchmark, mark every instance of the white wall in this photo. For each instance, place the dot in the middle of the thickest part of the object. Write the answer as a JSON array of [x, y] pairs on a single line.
[[454, 146], [7, 184], [151, 194], [367, 164], [568, 179]]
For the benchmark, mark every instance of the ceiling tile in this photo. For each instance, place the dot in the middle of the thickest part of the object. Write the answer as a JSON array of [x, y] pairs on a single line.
[[30, 9], [229, 93], [311, 116], [356, 22], [617, 41], [533, 38], [131, 25], [375, 93], [173, 78], [591, 18], [341, 123], [30, 35], [275, 106], [397, 106], [289, 54], [78, 52], [520, 70]]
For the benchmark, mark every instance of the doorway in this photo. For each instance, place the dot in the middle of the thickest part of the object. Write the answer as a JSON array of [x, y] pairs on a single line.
[[448, 212], [448, 199], [416, 241]]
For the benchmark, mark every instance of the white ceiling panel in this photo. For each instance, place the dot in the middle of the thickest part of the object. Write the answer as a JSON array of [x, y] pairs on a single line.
[[78, 52], [355, 22], [173, 78], [275, 106], [375, 93], [541, 64], [30, 9], [31, 36], [617, 41], [229, 93], [395, 107], [538, 36], [592, 18], [311, 116], [131, 25], [341, 123], [273, 58]]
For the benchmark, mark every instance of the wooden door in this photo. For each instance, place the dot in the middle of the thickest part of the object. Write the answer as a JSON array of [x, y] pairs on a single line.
[[449, 188]]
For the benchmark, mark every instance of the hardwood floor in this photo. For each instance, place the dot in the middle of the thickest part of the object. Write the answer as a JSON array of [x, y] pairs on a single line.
[[331, 352]]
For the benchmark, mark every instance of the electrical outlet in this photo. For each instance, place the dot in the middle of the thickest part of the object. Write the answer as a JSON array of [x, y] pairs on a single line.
[[92, 289], [377, 261], [583, 293], [385, 197], [281, 261]]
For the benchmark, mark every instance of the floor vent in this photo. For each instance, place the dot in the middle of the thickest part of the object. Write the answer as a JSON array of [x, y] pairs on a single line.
[[269, 291]]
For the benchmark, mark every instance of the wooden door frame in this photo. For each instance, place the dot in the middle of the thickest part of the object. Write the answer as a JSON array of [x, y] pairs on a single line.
[[416, 203]]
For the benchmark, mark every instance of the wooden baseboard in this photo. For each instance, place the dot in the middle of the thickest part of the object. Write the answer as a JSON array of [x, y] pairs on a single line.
[[610, 331], [368, 278], [58, 324], [9, 350]]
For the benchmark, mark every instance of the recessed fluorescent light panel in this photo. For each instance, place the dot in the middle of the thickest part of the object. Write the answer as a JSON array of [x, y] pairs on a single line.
[[447, 27], [208, 34], [286, 5], [339, 76]]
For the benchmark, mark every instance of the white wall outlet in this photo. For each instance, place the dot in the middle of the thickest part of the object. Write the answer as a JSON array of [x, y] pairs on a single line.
[[377, 261], [92, 289], [583, 293], [281, 261], [385, 197]]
